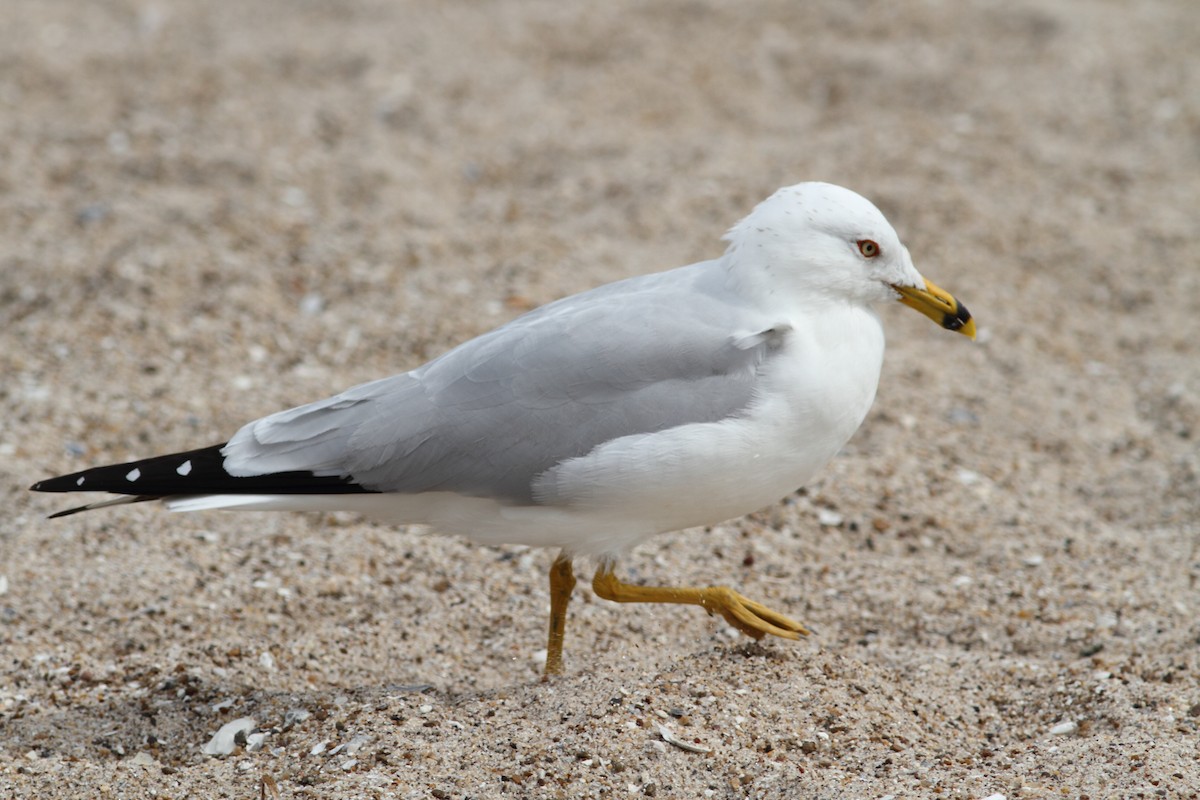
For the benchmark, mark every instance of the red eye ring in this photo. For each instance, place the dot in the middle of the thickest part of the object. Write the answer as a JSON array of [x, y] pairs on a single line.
[[868, 247]]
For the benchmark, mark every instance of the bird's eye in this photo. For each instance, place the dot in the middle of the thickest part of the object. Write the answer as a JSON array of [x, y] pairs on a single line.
[[868, 248]]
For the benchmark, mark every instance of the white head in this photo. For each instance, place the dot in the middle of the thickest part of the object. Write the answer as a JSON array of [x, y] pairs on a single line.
[[819, 240], [826, 240]]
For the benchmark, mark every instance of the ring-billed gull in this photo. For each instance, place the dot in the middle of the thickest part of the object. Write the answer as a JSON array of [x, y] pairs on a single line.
[[666, 401]]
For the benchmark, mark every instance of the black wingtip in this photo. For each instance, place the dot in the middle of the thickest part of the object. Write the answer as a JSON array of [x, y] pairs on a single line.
[[120, 500], [175, 473], [67, 512], [194, 472]]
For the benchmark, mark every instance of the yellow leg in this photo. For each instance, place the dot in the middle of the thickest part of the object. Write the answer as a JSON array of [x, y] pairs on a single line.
[[749, 617], [562, 582]]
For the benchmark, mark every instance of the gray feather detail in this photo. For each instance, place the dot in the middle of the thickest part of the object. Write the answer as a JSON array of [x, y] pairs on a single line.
[[486, 418]]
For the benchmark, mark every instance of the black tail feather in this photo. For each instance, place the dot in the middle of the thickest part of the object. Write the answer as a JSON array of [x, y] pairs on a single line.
[[124, 500], [192, 472]]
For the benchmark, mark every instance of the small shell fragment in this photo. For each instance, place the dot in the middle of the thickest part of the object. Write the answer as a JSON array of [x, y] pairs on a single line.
[[224, 741], [294, 716], [671, 738], [829, 519], [351, 747], [1068, 728]]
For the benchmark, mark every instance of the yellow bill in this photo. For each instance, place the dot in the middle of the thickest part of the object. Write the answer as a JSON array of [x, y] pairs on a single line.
[[940, 306]]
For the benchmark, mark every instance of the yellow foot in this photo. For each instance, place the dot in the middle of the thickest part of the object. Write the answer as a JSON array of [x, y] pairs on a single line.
[[562, 581], [749, 617]]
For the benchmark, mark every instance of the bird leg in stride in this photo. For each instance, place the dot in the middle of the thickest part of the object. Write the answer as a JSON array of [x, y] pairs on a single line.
[[749, 617], [562, 582]]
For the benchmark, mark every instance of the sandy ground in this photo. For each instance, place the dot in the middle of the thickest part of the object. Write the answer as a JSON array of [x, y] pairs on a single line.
[[210, 211]]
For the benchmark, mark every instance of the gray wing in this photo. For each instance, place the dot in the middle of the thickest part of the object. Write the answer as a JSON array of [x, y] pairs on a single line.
[[486, 418]]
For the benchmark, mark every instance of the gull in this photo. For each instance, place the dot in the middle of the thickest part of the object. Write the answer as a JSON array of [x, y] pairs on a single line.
[[661, 402]]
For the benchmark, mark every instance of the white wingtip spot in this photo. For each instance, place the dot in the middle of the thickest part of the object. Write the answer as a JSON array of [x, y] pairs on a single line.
[[133, 474], [80, 481], [184, 468]]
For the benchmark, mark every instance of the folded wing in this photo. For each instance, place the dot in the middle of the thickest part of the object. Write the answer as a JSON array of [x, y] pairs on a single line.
[[488, 417]]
